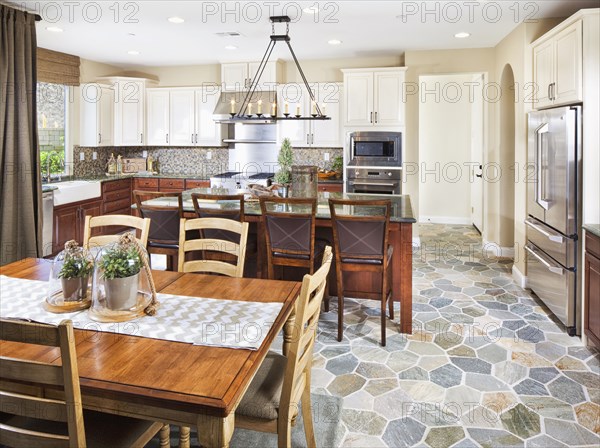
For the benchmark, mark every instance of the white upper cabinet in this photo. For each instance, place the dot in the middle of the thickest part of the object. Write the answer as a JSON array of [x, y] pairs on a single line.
[[97, 115], [557, 67], [307, 133], [182, 117], [373, 97], [129, 112], [239, 75]]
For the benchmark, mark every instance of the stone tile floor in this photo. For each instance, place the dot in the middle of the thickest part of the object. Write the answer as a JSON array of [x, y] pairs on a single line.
[[485, 365]]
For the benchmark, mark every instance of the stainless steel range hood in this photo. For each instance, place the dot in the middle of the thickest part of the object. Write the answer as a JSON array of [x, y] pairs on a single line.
[[222, 113]]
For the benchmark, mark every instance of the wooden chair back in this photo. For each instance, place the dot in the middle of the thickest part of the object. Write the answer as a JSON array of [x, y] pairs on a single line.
[[213, 245], [164, 227], [300, 355], [133, 222], [231, 207], [40, 375]]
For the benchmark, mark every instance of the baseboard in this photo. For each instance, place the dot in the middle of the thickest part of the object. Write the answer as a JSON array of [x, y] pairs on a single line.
[[518, 277], [498, 251], [416, 241], [444, 220]]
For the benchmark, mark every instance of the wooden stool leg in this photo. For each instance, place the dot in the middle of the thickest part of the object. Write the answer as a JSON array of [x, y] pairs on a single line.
[[184, 437], [391, 306], [165, 436], [384, 298]]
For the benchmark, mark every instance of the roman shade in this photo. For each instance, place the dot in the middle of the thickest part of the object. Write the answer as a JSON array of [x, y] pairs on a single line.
[[58, 68]]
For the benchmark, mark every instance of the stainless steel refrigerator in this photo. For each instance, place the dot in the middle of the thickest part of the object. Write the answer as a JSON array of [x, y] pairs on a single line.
[[553, 209]]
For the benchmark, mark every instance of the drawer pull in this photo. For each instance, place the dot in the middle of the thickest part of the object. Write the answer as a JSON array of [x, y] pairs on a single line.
[[554, 269], [552, 237]]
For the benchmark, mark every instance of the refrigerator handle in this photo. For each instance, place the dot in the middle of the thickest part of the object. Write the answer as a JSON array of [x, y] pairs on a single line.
[[554, 269], [541, 178], [555, 238]]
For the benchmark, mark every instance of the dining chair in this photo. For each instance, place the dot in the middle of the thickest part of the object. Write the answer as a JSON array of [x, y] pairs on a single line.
[[212, 245], [271, 402], [100, 222], [289, 230], [30, 415], [361, 245], [163, 237]]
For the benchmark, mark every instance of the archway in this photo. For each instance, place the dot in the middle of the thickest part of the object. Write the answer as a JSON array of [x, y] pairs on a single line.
[[507, 158]]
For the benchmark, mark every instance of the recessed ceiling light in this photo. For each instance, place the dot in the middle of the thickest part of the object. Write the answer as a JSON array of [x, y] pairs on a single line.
[[311, 9], [230, 47], [131, 34], [54, 29], [175, 19], [334, 42], [462, 35], [133, 52]]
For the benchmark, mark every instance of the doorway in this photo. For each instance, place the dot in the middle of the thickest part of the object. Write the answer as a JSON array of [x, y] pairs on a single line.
[[451, 149]]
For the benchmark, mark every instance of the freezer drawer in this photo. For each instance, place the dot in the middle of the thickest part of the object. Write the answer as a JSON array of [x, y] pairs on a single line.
[[553, 243], [552, 283]]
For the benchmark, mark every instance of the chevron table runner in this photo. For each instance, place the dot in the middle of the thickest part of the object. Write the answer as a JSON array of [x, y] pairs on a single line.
[[194, 320]]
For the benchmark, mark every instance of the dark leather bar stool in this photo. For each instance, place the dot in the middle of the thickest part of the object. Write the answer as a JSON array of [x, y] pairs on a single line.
[[163, 237], [361, 244], [289, 229], [234, 209]]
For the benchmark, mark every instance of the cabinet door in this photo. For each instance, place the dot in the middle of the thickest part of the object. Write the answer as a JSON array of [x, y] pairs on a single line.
[[359, 99], [106, 117], [268, 79], [327, 133], [89, 118], [568, 57], [130, 116], [388, 105], [298, 131], [543, 73], [592, 298], [208, 133], [93, 208], [158, 117], [66, 222], [234, 76], [182, 118]]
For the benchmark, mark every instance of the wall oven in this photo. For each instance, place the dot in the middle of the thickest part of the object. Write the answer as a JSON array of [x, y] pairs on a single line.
[[373, 181], [375, 149]]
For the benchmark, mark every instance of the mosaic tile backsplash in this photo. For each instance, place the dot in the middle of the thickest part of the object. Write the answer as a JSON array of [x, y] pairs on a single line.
[[184, 160]]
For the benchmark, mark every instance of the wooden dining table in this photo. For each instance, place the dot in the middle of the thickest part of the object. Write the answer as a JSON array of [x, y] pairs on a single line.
[[171, 382]]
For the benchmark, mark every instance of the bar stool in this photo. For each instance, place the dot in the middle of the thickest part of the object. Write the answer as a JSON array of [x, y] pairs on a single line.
[[163, 237], [360, 235], [206, 206], [289, 229]]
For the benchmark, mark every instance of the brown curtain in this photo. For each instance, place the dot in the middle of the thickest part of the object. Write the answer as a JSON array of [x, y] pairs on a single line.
[[20, 179], [57, 68]]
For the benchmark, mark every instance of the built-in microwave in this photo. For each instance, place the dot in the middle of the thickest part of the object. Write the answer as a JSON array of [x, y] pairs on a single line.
[[375, 149]]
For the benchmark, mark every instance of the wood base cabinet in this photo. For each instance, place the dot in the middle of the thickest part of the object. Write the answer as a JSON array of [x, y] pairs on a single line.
[[69, 221], [592, 289]]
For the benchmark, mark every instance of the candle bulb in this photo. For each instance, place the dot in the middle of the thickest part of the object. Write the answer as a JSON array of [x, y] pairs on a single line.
[[233, 106], [314, 108], [286, 108], [249, 108], [323, 109], [259, 107], [297, 109], [274, 109]]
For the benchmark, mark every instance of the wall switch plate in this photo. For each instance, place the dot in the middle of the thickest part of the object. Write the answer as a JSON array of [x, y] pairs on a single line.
[[326, 156], [145, 154], [82, 156], [209, 155], [94, 155]]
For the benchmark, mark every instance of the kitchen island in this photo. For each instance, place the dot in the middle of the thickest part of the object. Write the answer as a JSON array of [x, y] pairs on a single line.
[[357, 284]]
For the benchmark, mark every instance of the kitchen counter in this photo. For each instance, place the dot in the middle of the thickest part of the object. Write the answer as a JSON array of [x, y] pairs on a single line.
[[594, 229], [48, 187], [105, 178]]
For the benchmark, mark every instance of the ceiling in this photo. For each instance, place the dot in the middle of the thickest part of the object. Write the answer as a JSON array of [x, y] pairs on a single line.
[[102, 32]]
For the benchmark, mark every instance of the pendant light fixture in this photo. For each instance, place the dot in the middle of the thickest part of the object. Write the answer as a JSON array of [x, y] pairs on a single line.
[[245, 111]]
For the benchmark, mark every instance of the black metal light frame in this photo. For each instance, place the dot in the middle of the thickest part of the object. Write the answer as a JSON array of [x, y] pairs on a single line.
[[263, 63]]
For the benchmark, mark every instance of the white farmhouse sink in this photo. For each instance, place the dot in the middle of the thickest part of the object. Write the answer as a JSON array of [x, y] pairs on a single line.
[[75, 191]]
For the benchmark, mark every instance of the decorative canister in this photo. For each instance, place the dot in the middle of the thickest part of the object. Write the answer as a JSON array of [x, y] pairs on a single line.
[[304, 181]]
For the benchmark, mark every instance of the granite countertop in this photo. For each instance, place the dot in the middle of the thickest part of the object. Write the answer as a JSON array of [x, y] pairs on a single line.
[[401, 205], [47, 188], [594, 229], [105, 178]]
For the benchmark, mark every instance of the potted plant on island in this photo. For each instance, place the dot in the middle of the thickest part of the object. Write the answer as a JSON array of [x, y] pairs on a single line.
[[285, 160], [75, 274], [338, 166], [121, 270]]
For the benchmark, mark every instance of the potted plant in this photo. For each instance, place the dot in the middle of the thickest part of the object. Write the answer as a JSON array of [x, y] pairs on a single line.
[[338, 165], [74, 276], [285, 160], [120, 268]]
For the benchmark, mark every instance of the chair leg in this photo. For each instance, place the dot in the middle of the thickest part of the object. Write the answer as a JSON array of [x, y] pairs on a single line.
[[307, 417], [284, 430], [326, 302], [169, 262], [384, 297], [165, 436], [340, 307], [391, 306], [184, 437]]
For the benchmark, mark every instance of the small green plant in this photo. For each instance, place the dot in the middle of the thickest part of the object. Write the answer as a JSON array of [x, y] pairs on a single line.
[[285, 160], [337, 164], [56, 159], [120, 263], [75, 266]]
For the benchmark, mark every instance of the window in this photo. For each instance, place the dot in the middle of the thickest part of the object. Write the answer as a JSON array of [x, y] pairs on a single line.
[[52, 132]]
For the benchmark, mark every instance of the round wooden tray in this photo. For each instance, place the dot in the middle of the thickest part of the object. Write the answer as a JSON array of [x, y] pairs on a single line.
[[104, 314], [67, 306], [327, 175]]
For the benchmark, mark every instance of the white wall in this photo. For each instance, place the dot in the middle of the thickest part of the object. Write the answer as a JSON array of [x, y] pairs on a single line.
[[445, 149]]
